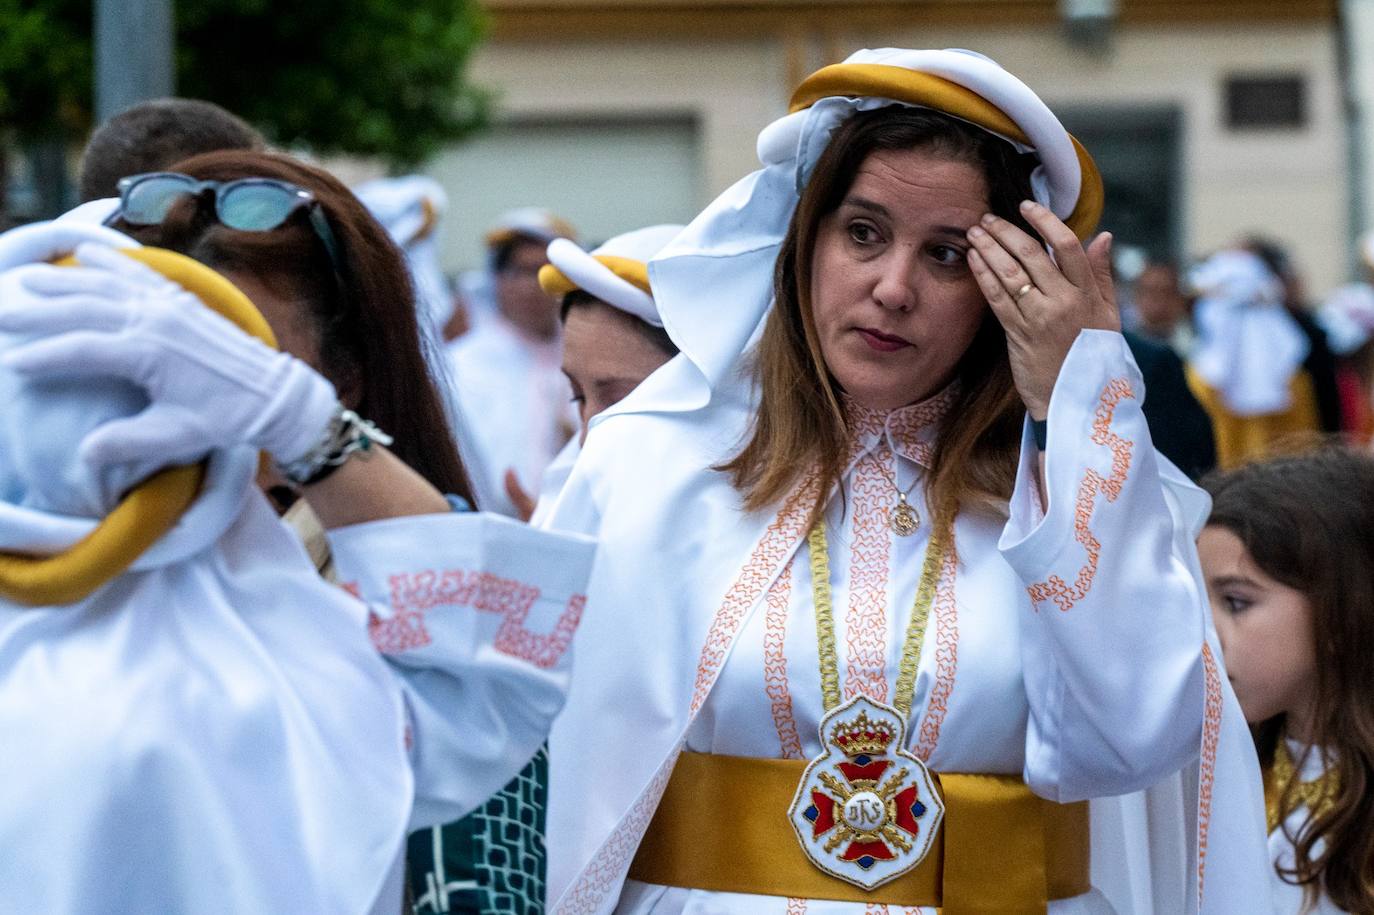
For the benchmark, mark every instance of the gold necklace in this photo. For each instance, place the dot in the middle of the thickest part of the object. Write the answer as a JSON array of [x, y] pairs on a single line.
[[866, 810], [904, 519], [1318, 795]]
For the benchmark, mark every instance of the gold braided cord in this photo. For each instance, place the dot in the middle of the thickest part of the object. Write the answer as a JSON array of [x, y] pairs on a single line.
[[1318, 795], [936, 550], [825, 617], [920, 616]]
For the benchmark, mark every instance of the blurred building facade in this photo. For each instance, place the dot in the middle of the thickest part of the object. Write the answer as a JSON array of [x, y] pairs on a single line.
[[1209, 118]]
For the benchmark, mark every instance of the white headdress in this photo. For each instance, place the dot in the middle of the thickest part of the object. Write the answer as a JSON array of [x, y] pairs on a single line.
[[617, 272], [713, 284]]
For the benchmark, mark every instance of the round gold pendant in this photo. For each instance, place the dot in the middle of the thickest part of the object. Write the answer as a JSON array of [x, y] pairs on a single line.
[[904, 519]]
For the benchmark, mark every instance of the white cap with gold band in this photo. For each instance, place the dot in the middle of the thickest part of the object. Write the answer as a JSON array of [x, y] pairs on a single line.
[[617, 272], [1057, 181]]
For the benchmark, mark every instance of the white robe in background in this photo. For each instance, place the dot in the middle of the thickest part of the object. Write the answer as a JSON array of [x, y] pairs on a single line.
[[701, 634], [516, 400]]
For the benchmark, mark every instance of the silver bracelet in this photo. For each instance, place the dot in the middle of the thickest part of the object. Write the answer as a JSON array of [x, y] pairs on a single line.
[[346, 435]]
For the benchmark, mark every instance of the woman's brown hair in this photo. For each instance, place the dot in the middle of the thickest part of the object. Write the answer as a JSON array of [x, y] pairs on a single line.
[[800, 424], [364, 316], [1308, 522]]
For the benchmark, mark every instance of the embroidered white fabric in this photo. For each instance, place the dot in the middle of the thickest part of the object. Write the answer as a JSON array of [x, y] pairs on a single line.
[[683, 570]]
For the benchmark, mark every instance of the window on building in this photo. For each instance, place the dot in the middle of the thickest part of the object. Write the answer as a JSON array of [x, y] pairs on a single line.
[[1266, 101]]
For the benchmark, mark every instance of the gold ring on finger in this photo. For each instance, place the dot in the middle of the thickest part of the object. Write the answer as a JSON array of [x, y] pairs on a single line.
[[1019, 294]]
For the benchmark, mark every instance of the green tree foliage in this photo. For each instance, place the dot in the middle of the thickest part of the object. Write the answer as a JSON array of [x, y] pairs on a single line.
[[370, 77], [45, 68], [378, 78]]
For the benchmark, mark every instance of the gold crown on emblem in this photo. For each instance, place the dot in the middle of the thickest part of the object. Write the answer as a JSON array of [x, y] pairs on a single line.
[[863, 736]]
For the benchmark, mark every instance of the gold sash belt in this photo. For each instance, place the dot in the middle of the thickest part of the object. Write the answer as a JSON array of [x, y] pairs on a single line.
[[723, 826]]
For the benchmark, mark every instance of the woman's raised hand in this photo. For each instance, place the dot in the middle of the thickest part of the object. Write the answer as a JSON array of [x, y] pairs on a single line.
[[1043, 303]]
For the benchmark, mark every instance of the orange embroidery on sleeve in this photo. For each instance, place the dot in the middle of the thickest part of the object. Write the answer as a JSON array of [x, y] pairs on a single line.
[[1055, 588], [405, 631], [1207, 765], [414, 594], [775, 665]]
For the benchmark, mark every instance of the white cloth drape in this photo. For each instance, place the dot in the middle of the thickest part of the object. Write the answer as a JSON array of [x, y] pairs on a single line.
[[218, 730]]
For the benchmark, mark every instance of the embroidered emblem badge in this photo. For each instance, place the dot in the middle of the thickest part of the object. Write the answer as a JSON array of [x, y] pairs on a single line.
[[866, 810]]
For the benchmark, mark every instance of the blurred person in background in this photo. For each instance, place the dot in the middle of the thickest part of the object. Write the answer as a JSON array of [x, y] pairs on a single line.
[[411, 209], [1247, 367], [506, 369], [150, 137], [613, 337], [1288, 555], [1163, 311], [1179, 426], [339, 296], [1320, 364], [1347, 318]]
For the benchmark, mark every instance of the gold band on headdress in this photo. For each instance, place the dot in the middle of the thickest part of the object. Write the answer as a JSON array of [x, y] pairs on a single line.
[[926, 91], [153, 507], [557, 284]]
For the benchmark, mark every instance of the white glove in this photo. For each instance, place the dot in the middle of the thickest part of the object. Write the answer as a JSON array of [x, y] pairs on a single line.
[[42, 241], [211, 385]]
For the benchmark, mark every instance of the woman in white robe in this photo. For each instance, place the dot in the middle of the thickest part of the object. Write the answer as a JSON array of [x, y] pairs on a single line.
[[1068, 643], [213, 728], [613, 337]]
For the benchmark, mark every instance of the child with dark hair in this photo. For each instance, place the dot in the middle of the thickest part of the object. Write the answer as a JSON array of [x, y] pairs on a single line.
[[1287, 558]]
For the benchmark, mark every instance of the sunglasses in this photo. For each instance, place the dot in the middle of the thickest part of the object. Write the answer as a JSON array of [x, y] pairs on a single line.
[[246, 205]]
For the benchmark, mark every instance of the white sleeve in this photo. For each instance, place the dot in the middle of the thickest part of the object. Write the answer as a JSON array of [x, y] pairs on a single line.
[[1113, 636], [476, 615]]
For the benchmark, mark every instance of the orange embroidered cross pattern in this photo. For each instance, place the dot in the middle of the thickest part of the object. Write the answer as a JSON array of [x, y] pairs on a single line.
[[412, 595], [1055, 588]]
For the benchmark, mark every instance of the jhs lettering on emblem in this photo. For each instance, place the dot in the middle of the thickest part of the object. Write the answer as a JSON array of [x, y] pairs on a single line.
[[867, 810]]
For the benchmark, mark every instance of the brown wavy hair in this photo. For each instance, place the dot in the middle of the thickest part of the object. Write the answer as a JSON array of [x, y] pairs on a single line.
[[1307, 521], [800, 423], [364, 317]]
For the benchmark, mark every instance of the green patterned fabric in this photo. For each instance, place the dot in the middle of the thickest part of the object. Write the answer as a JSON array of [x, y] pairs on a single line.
[[492, 861]]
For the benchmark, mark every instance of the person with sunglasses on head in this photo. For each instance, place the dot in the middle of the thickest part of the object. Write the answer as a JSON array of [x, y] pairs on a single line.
[[355, 428], [506, 368]]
